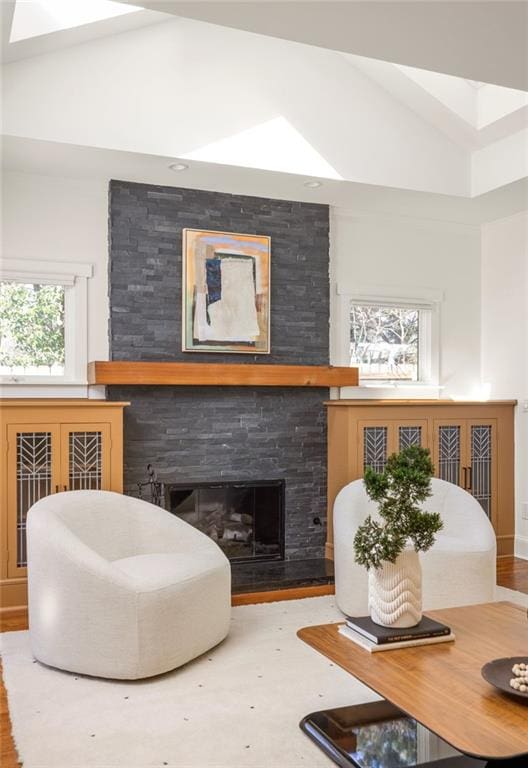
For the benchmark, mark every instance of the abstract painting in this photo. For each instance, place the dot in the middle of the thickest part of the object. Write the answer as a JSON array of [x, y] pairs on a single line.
[[226, 292]]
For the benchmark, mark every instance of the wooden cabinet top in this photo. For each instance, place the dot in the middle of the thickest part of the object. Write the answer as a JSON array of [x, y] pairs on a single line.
[[53, 402], [351, 402]]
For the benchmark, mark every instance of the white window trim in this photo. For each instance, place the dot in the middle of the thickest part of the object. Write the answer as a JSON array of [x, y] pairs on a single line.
[[428, 302], [74, 277]]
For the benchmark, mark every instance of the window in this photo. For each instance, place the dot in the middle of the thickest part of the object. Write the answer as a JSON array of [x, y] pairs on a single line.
[[43, 322], [385, 342], [392, 339], [31, 329]]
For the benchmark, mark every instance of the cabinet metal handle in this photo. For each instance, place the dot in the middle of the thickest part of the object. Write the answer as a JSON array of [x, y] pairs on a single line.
[[464, 478], [470, 476], [56, 489], [64, 487]]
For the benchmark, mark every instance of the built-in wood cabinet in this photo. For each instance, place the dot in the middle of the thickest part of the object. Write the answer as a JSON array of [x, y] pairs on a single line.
[[471, 444], [51, 446]]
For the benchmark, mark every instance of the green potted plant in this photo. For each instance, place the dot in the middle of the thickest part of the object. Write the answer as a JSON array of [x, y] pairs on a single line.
[[389, 545]]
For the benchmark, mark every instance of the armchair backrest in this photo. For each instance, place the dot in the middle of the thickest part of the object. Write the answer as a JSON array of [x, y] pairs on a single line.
[[117, 526], [105, 522], [461, 513]]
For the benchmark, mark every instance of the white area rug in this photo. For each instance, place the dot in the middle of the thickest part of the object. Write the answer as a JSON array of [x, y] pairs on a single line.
[[238, 706]]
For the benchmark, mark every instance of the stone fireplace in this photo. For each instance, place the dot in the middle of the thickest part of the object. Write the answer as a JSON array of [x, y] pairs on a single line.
[[228, 434]]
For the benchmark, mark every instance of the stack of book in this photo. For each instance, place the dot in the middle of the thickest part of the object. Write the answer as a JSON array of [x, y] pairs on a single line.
[[373, 637]]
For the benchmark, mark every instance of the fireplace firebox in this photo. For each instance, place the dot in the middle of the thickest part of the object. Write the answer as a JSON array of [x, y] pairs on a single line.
[[246, 519]]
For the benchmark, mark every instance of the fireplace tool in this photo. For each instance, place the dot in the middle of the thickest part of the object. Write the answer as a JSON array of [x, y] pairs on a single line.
[[156, 487]]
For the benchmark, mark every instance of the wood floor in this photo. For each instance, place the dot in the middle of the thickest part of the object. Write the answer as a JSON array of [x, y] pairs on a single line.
[[511, 573]]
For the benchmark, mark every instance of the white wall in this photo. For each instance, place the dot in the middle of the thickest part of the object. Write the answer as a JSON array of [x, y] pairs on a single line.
[[58, 219], [413, 256], [505, 337]]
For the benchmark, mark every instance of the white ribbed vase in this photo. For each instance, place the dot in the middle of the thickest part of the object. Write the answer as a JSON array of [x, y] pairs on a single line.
[[395, 591]]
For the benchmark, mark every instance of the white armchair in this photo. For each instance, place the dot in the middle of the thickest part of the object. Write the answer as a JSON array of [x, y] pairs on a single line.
[[120, 588], [459, 569]]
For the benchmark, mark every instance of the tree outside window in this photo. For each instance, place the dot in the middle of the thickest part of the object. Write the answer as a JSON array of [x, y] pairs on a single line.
[[384, 342], [31, 329]]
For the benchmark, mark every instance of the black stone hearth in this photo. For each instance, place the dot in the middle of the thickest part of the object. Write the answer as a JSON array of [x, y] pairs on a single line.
[[264, 576]]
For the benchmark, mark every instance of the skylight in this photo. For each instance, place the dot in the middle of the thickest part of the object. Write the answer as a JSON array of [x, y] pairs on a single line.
[[479, 104], [272, 146], [32, 18]]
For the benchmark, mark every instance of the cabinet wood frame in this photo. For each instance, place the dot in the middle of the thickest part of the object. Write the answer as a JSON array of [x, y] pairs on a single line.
[[345, 447], [59, 417]]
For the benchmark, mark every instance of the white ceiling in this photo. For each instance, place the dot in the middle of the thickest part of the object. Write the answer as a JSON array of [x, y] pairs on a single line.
[[45, 158], [184, 87], [147, 83], [484, 41]]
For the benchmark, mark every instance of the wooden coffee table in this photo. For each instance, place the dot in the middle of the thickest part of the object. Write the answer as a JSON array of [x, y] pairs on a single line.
[[440, 686]]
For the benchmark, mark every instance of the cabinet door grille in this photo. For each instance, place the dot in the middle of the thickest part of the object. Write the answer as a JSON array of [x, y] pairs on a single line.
[[449, 452], [408, 436], [481, 465], [375, 448], [33, 463], [85, 461]]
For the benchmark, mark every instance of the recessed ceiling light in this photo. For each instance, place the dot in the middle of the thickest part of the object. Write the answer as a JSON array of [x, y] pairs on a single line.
[[313, 184], [178, 166]]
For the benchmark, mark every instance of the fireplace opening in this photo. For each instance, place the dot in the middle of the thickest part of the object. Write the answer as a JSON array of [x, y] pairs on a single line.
[[246, 519]]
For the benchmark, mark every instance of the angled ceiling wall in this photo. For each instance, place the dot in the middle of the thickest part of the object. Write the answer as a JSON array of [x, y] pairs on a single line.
[[173, 88], [486, 40], [186, 89]]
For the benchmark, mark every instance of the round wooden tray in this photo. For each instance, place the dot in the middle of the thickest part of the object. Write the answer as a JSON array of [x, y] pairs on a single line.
[[499, 673]]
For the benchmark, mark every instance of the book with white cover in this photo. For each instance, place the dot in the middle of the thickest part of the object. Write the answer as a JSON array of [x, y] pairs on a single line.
[[368, 645]]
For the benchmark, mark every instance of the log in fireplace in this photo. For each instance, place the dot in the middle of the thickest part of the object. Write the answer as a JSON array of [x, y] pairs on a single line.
[[246, 519]]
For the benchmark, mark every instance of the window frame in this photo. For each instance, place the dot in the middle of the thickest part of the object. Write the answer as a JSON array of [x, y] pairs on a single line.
[[73, 276], [427, 302]]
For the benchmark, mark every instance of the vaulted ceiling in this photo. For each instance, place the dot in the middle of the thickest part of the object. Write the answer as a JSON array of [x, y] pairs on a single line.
[[247, 91], [483, 41]]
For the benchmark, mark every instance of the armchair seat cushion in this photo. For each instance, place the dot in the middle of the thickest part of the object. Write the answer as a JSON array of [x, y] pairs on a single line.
[[160, 570]]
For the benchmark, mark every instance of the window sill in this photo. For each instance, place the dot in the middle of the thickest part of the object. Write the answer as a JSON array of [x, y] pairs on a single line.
[[41, 381], [50, 389], [391, 391]]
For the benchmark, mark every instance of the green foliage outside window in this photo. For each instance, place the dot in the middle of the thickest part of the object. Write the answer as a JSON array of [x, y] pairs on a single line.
[[31, 325], [399, 491]]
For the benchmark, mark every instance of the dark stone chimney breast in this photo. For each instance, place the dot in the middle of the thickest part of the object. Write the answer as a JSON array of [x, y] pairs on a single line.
[[208, 434]]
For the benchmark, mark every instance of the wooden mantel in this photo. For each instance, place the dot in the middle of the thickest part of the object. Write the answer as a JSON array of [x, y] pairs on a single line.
[[220, 374]]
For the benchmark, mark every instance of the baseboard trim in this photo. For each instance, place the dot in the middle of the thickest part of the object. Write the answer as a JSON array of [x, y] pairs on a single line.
[[521, 547], [276, 595]]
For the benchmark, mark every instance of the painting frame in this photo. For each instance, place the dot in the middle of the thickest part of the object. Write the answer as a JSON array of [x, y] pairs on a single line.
[[214, 262]]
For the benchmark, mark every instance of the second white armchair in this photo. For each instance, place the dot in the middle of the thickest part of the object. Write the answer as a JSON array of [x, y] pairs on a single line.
[[460, 569]]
